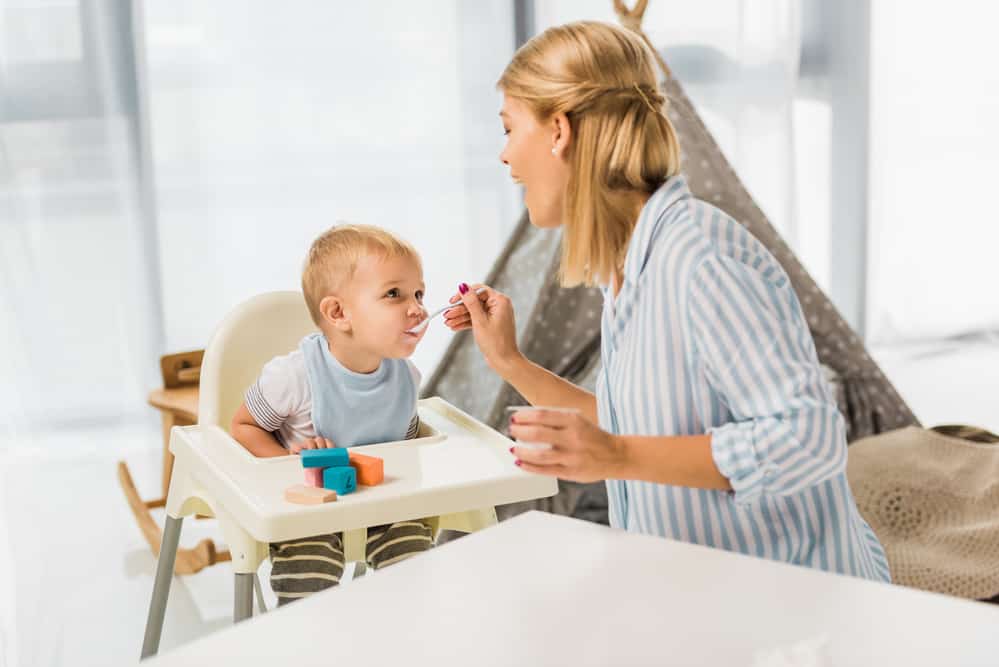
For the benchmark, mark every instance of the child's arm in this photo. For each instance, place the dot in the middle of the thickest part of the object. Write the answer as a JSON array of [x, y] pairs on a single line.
[[248, 433], [262, 443]]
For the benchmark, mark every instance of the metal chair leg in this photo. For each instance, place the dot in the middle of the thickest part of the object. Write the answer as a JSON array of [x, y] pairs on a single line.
[[161, 586], [243, 597]]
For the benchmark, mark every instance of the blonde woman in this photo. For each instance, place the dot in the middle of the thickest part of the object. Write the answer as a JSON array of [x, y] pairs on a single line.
[[712, 421]]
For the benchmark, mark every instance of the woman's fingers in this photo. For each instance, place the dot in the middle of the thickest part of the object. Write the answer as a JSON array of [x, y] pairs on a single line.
[[550, 470], [456, 297], [538, 433], [537, 455], [552, 418], [459, 322]]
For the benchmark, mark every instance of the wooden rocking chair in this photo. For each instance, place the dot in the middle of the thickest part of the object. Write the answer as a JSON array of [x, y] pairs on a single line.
[[178, 403]]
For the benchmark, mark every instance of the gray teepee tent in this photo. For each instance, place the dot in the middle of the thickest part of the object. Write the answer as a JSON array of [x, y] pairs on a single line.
[[560, 328]]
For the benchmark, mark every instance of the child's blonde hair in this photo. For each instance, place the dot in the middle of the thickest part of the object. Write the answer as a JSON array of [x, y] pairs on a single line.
[[603, 78], [333, 258]]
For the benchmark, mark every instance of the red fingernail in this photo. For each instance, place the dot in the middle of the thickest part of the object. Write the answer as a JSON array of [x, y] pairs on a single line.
[[463, 288], [511, 450], [517, 462], [513, 420]]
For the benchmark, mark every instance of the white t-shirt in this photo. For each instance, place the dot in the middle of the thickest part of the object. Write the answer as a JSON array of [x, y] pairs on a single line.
[[280, 400]]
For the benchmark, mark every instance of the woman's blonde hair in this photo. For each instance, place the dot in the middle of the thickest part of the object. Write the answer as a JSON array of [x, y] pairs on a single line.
[[333, 258], [603, 78]]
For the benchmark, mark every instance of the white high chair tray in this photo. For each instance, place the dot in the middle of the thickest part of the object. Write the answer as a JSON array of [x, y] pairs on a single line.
[[460, 464]]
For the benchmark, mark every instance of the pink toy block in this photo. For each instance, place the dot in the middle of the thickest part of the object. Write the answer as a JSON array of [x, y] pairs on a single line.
[[314, 477]]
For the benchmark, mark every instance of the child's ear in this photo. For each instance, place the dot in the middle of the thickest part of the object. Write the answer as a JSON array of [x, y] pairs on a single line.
[[331, 308]]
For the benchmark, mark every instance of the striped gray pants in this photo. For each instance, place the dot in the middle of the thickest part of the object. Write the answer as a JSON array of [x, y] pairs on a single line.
[[304, 566]]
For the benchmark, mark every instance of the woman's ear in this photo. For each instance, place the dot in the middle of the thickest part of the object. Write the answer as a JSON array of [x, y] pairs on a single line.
[[334, 315], [561, 134]]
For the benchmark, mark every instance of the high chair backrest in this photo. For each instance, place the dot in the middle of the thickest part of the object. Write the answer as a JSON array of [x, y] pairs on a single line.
[[254, 332]]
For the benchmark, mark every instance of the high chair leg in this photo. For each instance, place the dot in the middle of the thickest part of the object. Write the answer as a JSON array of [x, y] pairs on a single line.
[[261, 605], [243, 598], [161, 587]]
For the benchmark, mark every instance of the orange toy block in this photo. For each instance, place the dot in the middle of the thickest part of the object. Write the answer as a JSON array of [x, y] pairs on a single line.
[[370, 469], [314, 477], [308, 495]]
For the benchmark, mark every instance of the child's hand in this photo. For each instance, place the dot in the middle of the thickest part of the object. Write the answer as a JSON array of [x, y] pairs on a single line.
[[310, 443]]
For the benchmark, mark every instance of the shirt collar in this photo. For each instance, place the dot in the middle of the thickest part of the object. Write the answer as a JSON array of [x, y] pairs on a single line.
[[654, 211]]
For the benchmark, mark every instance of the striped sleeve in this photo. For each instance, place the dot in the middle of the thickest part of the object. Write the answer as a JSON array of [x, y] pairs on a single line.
[[757, 353], [279, 392], [414, 425], [414, 428]]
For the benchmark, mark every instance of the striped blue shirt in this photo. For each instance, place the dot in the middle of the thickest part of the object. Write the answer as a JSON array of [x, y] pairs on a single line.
[[707, 336]]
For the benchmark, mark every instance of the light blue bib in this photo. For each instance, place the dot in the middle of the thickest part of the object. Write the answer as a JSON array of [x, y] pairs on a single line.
[[355, 408]]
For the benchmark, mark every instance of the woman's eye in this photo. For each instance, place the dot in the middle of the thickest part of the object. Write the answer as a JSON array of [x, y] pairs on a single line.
[[506, 131], [392, 293]]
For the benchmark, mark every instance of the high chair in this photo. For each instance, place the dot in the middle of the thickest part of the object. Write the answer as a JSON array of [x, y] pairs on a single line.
[[452, 475]]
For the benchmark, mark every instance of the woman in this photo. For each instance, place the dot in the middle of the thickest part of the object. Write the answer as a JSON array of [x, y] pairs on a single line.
[[716, 425]]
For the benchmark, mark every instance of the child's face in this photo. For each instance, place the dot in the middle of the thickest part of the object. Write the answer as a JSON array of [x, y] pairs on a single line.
[[384, 299]]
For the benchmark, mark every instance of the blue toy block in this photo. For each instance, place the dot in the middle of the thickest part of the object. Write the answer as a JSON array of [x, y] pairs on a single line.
[[325, 458], [342, 479]]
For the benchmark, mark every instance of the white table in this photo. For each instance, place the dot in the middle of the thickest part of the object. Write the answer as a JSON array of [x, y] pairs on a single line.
[[545, 590]]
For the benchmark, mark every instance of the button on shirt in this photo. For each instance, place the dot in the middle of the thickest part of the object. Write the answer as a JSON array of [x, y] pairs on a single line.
[[707, 336]]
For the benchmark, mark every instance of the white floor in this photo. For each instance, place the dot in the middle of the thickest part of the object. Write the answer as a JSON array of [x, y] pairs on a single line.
[[75, 573]]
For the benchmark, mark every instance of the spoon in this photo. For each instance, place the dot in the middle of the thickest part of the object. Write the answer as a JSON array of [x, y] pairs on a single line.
[[423, 325]]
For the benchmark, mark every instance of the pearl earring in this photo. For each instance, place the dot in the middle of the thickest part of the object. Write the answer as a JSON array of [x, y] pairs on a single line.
[[554, 152]]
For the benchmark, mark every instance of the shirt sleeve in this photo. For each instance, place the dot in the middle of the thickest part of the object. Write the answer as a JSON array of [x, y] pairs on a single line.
[[279, 392], [786, 432], [414, 424]]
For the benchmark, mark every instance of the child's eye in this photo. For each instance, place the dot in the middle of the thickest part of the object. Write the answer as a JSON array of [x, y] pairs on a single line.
[[419, 296], [393, 293]]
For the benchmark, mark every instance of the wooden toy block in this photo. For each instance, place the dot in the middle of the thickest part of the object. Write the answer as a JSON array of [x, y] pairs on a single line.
[[342, 479], [308, 495], [370, 469], [314, 477], [325, 458]]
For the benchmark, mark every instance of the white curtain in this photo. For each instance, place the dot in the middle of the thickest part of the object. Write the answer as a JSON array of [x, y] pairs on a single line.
[[272, 121], [79, 328], [934, 229], [257, 125]]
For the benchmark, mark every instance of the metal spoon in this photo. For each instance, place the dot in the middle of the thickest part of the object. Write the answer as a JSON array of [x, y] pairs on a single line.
[[423, 325]]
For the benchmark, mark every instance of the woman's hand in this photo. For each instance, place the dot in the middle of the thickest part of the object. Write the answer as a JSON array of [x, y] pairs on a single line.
[[310, 443], [581, 451], [490, 317]]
